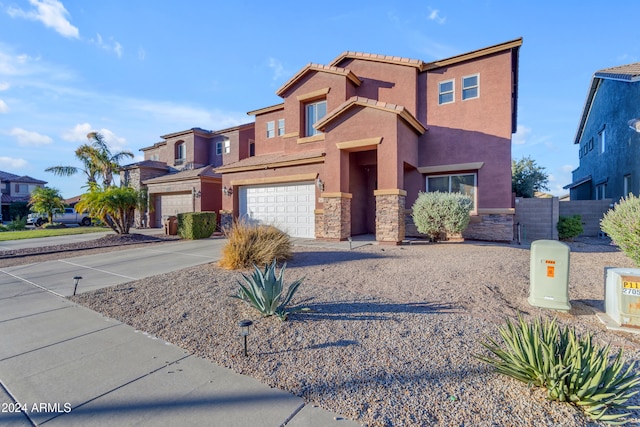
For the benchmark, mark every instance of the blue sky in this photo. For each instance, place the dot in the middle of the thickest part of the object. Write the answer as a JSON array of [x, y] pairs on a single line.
[[138, 70]]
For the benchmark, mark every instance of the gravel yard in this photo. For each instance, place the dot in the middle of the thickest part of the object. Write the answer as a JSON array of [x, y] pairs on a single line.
[[392, 331]]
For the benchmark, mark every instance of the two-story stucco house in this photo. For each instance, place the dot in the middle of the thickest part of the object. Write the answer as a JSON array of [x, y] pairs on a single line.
[[608, 136], [355, 141], [15, 188], [178, 172]]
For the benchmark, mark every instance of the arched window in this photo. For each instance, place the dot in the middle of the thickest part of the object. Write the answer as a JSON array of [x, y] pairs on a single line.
[[181, 153]]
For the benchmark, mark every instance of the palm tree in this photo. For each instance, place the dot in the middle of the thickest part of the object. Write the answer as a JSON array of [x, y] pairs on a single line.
[[97, 160], [115, 206], [46, 201]]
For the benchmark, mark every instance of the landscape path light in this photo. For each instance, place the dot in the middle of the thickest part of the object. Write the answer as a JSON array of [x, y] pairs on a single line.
[[244, 332], [75, 286]]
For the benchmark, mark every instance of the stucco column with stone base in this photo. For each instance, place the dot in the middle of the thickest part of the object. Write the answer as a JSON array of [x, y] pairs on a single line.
[[390, 213], [336, 223]]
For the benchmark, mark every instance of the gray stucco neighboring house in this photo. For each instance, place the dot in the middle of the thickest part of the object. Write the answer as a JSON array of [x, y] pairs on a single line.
[[15, 188], [608, 136]]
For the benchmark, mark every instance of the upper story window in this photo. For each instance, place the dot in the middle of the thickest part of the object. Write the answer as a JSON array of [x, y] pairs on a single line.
[[471, 87], [181, 153], [252, 148], [446, 91], [463, 183], [280, 127], [223, 147], [314, 112], [601, 140], [271, 129]]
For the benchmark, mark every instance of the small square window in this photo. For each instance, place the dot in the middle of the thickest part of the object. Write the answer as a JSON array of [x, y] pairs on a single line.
[[446, 91], [218, 148], [471, 87], [280, 127], [271, 129]]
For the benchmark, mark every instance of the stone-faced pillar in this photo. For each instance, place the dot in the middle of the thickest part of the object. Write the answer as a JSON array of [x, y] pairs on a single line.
[[390, 213], [336, 222]]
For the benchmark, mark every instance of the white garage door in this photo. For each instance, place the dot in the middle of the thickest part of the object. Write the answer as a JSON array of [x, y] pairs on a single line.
[[172, 204], [286, 206]]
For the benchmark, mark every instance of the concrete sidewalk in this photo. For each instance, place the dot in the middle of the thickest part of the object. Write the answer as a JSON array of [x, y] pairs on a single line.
[[63, 364]]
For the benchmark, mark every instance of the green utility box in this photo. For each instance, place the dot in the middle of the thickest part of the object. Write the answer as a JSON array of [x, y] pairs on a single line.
[[549, 277]]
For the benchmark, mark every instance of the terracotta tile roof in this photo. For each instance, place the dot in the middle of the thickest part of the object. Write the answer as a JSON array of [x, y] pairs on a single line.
[[270, 160], [372, 103], [629, 72], [182, 175], [318, 68], [379, 58]]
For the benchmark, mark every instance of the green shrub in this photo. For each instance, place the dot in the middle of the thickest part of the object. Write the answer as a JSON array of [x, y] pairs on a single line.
[[196, 225], [18, 209], [436, 213], [622, 224], [17, 224], [569, 227], [264, 291], [3, 228], [572, 369], [252, 244]]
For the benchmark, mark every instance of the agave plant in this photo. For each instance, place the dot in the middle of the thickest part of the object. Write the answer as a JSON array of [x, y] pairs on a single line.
[[263, 290], [572, 369]]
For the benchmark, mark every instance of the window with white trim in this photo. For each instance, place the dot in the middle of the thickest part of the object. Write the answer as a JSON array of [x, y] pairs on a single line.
[[181, 153], [471, 87], [601, 191], [315, 112], [223, 147], [280, 127], [446, 92], [271, 129], [458, 183], [601, 140]]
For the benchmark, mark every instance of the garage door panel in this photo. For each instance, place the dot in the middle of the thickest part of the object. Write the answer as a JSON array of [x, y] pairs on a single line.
[[286, 206]]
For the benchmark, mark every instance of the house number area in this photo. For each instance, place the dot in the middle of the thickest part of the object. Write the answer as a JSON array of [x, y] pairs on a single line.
[[631, 288]]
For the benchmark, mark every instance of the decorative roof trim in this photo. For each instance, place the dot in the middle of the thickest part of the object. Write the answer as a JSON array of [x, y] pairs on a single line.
[[321, 69], [387, 59], [359, 144], [372, 103], [266, 109], [273, 165], [315, 94], [473, 54], [451, 167]]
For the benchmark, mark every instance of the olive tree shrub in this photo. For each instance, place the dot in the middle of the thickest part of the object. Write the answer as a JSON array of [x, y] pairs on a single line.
[[622, 224], [436, 213]]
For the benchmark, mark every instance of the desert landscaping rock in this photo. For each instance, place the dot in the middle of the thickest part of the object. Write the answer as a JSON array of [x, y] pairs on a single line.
[[391, 334]]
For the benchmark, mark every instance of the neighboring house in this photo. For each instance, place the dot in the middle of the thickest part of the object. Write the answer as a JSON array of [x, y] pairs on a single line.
[[15, 188], [177, 173], [354, 141], [608, 137]]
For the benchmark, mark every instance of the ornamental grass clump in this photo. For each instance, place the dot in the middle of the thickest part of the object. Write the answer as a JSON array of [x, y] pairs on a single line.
[[264, 291], [573, 369], [254, 244], [622, 224]]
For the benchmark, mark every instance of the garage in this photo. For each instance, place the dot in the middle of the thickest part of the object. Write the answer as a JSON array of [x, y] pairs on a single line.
[[286, 206], [167, 205]]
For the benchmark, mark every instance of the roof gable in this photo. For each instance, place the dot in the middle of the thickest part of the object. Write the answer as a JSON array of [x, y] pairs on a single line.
[[320, 69], [372, 103]]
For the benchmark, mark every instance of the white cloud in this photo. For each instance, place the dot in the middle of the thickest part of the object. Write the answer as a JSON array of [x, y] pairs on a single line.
[[434, 15], [521, 135], [567, 168], [4, 108], [80, 131], [51, 13], [30, 139], [277, 68], [12, 163], [4, 86], [110, 46]]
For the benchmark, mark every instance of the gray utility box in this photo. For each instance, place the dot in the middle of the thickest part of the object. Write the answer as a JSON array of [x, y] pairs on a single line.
[[549, 275], [622, 296]]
